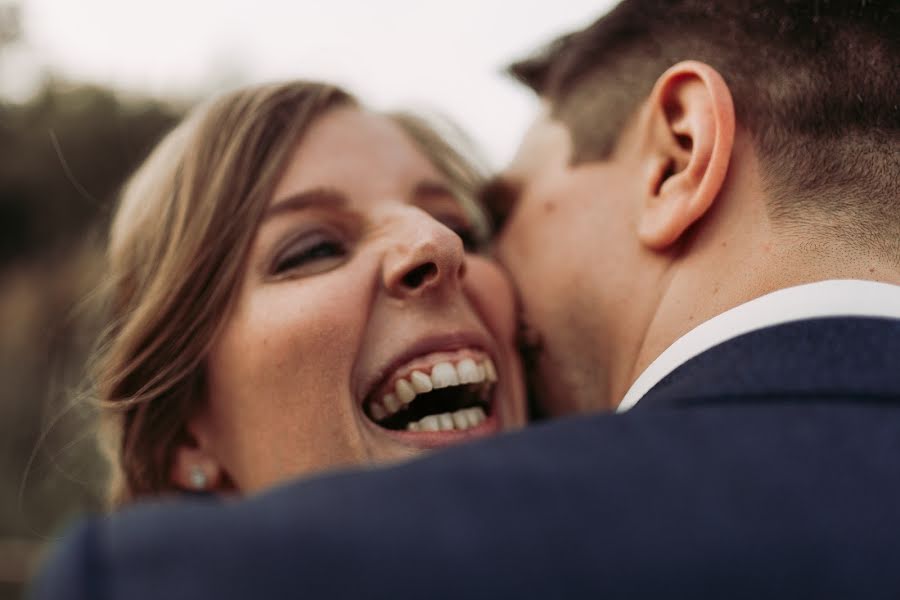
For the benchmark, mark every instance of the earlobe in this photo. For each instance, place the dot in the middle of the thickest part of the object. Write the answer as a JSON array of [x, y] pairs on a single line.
[[194, 468], [688, 143]]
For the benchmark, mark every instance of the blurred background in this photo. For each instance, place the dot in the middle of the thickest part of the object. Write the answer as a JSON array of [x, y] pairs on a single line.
[[87, 88]]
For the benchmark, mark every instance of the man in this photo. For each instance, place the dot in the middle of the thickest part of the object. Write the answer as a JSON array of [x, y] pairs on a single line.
[[764, 154], [705, 227]]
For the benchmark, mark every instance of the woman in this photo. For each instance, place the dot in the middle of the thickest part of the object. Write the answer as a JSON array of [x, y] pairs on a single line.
[[290, 292]]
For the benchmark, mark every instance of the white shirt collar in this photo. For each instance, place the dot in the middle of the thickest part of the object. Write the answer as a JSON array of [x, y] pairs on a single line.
[[845, 297]]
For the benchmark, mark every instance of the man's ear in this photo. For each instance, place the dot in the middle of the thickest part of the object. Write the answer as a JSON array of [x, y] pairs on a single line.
[[194, 466], [689, 137]]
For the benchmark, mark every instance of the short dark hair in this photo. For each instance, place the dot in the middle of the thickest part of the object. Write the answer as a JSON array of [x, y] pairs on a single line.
[[815, 82]]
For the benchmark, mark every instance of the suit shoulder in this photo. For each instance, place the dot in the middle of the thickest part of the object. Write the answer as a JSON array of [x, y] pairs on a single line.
[[72, 569]]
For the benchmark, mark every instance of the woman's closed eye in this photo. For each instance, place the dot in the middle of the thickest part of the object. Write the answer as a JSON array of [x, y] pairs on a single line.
[[310, 254], [471, 238], [472, 241]]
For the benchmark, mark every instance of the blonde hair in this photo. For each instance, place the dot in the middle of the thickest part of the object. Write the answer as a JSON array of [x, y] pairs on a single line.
[[177, 250]]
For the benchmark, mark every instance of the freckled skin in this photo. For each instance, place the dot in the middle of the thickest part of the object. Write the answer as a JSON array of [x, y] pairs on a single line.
[[285, 376]]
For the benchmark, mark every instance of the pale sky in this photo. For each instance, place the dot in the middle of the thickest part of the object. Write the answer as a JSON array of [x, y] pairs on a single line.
[[445, 55]]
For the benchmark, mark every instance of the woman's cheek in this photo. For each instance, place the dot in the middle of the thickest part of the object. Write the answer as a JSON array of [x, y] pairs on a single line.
[[279, 378], [494, 296]]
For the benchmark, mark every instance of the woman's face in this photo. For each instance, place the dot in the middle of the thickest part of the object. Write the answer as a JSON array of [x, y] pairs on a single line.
[[358, 298]]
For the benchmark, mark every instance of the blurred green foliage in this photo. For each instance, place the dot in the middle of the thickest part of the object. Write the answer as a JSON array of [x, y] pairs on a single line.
[[64, 155]]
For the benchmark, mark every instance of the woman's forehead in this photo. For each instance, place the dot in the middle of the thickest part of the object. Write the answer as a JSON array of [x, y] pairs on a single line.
[[351, 146], [365, 158]]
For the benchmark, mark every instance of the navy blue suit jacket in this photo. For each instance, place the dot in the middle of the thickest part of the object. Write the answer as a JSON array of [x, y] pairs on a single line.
[[767, 467]]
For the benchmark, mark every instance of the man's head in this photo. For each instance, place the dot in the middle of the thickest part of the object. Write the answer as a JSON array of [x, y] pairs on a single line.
[[693, 155]]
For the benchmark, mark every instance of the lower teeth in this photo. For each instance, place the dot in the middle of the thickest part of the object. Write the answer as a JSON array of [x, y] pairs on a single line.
[[459, 420]]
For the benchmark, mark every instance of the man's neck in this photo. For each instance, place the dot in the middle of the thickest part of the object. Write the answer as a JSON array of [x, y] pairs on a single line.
[[729, 272]]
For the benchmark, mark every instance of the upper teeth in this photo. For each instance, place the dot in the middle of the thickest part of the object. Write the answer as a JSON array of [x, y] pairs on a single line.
[[443, 374]]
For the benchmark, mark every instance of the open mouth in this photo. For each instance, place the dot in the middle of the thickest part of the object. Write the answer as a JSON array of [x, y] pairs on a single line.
[[448, 395]]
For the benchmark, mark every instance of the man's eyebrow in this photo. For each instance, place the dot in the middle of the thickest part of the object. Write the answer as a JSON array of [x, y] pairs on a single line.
[[296, 202], [499, 196]]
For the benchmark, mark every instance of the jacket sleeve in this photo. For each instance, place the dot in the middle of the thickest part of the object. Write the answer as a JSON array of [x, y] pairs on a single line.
[[72, 570], [472, 521]]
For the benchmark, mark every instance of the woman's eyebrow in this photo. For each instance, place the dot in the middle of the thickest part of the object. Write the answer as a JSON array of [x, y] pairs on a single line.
[[296, 202]]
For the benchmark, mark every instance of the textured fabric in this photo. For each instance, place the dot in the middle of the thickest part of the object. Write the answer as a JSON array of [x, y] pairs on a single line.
[[763, 468]]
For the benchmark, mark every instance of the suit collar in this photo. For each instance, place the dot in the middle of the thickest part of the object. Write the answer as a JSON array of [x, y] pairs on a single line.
[[821, 299], [835, 358]]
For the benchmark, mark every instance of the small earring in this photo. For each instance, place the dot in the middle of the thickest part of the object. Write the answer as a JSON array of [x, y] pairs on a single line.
[[198, 478]]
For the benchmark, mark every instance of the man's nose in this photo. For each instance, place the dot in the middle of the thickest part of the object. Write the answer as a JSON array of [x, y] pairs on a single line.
[[425, 257]]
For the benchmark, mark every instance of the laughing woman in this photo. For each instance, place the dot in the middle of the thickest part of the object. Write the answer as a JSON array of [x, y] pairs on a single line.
[[296, 285]]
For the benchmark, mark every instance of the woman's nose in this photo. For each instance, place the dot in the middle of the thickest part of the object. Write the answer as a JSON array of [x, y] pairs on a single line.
[[425, 257]]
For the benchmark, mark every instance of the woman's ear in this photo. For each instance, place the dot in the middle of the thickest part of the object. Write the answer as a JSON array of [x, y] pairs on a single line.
[[688, 141], [194, 467]]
